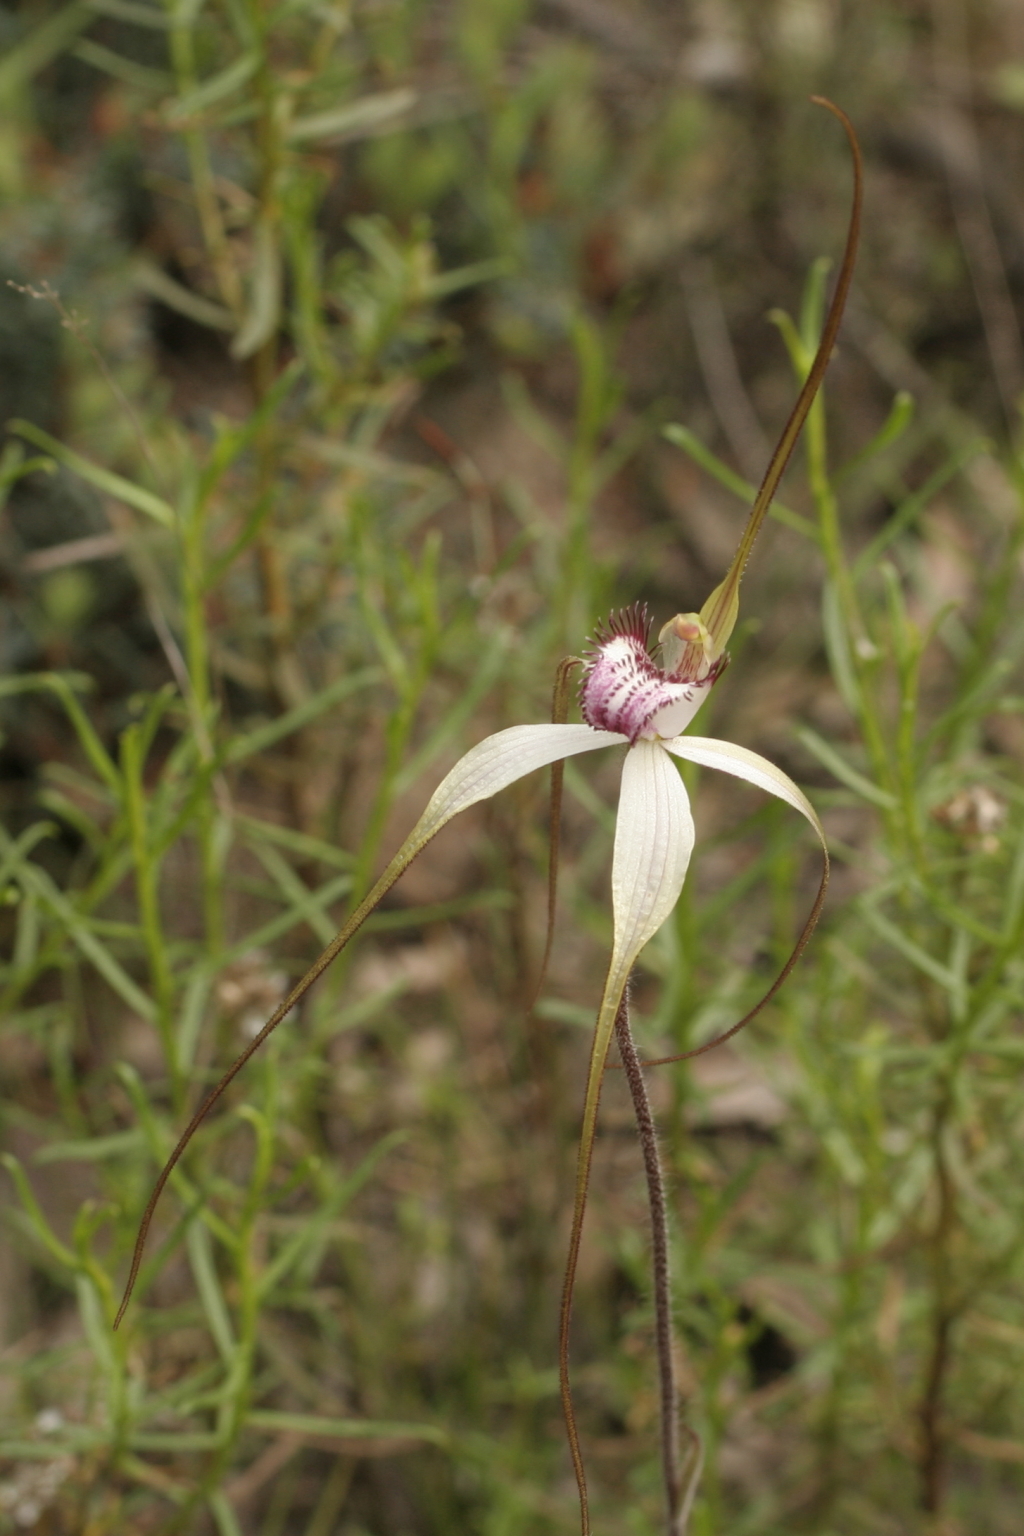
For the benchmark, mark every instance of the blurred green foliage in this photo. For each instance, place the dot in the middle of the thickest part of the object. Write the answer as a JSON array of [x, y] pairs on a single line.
[[338, 427]]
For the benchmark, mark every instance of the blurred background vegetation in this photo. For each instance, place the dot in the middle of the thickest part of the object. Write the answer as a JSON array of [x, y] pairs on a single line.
[[336, 345]]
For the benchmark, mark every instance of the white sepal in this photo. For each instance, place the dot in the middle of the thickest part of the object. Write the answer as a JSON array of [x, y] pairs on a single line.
[[743, 764], [653, 843], [500, 760]]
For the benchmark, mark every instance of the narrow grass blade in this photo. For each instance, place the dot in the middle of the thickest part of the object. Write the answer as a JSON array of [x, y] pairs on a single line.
[[261, 737], [344, 1429], [837, 765], [355, 119], [103, 479], [690, 443]]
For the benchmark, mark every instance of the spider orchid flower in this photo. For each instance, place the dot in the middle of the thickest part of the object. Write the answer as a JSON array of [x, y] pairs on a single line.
[[627, 700]]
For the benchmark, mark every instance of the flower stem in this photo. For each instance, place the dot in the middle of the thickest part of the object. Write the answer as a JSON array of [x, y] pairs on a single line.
[[680, 1482]]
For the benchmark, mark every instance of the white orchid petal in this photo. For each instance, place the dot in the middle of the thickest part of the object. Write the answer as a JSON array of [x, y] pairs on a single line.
[[743, 764], [653, 843], [500, 760]]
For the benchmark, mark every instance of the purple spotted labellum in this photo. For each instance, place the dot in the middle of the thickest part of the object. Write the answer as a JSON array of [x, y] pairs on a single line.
[[624, 690]]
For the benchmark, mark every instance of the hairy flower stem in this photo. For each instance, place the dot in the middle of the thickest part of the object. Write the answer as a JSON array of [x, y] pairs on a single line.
[[680, 1482]]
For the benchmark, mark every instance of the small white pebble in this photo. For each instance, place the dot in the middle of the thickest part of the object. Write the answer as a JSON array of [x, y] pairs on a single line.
[[50, 1479], [251, 1022]]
